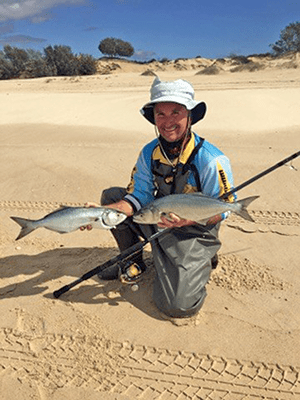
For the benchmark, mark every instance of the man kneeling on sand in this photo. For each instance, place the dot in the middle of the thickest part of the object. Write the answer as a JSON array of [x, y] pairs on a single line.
[[176, 161]]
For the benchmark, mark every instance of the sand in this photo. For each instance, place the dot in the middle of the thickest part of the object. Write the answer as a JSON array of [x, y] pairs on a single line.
[[63, 140]]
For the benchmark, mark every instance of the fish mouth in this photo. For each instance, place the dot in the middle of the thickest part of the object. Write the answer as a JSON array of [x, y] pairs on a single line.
[[139, 219]]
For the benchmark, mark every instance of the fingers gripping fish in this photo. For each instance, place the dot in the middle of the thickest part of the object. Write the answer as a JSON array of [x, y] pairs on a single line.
[[69, 219]]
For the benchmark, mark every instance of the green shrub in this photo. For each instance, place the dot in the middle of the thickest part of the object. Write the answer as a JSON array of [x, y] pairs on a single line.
[[289, 40], [61, 60], [240, 59], [37, 68], [87, 64], [18, 58], [115, 47], [248, 67], [211, 70], [6, 69], [13, 62]]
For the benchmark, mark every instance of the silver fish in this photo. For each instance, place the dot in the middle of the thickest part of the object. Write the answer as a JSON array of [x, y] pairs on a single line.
[[193, 206], [69, 219]]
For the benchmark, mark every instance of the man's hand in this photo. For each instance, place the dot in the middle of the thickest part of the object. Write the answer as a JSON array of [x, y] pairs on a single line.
[[121, 205], [89, 204], [173, 221], [214, 220]]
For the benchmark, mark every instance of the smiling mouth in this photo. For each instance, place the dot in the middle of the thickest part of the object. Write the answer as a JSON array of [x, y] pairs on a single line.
[[173, 128]]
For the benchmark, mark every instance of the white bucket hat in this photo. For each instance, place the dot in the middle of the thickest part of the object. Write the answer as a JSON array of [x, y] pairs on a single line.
[[179, 91]]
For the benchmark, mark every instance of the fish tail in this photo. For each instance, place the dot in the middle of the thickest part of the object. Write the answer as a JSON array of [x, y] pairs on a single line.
[[243, 204], [26, 226]]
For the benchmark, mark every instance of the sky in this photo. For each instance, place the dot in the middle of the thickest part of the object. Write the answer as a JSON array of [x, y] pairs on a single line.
[[155, 28]]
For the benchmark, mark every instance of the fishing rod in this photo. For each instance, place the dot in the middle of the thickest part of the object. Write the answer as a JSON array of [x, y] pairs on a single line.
[[122, 257], [260, 175], [135, 249]]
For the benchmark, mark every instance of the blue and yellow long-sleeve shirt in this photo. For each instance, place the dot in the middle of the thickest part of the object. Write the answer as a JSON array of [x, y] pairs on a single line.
[[201, 168]]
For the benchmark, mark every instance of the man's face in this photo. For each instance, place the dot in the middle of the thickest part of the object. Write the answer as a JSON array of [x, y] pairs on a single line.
[[171, 120]]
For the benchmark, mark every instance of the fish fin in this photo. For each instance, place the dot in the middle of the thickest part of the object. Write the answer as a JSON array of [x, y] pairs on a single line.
[[61, 207], [56, 211], [244, 204], [26, 226], [56, 230]]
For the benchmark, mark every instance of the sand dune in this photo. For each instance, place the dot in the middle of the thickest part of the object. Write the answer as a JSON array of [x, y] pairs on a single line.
[[63, 140]]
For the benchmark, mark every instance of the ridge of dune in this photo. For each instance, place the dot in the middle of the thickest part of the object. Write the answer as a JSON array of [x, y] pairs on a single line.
[[201, 65]]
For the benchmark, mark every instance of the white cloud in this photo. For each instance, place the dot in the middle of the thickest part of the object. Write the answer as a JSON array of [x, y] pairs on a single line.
[[21, 39], [6, 28], [91, 28], [142, 55], [43, 17], [14, 10]]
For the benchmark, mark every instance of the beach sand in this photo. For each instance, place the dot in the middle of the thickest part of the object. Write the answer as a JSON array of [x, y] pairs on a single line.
[[64, 140]]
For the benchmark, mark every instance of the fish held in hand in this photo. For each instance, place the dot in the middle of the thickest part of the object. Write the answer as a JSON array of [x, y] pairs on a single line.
[[192, 206], [69, 219]]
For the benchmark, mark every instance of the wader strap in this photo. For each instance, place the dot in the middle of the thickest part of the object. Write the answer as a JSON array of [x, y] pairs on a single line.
[[192, 167], [195, 151]]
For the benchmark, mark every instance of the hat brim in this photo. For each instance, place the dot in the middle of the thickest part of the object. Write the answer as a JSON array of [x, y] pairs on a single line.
[[198, 109]]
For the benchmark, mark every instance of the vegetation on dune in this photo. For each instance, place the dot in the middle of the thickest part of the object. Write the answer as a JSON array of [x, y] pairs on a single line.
[[59, 60], [211, 70], [116, 47], [55, 61], [289, 40]]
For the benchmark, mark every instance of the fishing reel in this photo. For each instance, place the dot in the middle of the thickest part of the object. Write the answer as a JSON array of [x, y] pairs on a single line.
[[130, 273]]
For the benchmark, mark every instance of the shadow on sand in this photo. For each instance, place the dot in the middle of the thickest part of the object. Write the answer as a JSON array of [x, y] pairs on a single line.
[[43, 273]]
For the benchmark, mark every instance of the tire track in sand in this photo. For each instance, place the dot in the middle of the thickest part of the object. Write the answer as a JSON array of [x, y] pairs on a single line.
[[140, 372], [260, 216]]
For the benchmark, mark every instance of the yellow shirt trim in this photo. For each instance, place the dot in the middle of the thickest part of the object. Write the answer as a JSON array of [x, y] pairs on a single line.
[[158, 155], [224, 183]]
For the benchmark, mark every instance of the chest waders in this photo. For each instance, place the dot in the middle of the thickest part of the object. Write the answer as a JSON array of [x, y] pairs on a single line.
[[182, 258]]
